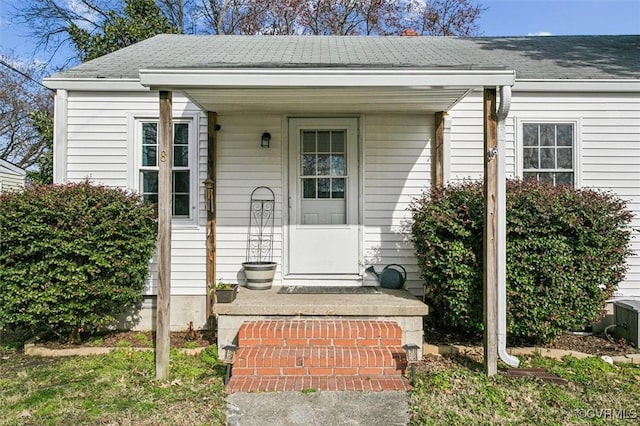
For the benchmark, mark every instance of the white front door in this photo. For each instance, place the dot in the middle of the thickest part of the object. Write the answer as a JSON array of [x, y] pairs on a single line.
[[323, 196]]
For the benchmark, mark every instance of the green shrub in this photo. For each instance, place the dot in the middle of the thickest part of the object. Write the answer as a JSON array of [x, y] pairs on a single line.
[[72, 257], [566, 252]]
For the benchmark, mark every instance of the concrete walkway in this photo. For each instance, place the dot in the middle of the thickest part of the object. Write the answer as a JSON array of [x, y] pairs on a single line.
[[318, 408]]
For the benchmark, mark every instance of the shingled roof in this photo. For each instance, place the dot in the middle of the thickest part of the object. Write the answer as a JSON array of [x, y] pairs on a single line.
[[555, 57]]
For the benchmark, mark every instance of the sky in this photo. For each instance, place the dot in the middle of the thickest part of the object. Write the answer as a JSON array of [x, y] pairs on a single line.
[[502, 18]]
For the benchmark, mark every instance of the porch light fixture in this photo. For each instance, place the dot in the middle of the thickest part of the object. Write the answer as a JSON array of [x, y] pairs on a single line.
[[266, 140], [229, 352], [411, 349]]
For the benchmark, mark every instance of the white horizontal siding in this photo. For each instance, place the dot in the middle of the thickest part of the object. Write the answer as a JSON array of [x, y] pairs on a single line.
[[609, 155], [98, 136], [397, 168], [11, 182], [242, 165]]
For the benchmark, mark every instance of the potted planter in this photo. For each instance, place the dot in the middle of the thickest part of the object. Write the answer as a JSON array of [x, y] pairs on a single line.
[[259, 275], [225, 293]]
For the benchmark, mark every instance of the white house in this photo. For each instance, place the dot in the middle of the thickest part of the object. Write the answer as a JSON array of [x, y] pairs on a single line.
[[358, 127], [11, 176]]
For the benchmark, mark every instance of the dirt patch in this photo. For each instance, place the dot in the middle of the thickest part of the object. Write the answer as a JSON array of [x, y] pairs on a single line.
[[597, 344], [137, 339]]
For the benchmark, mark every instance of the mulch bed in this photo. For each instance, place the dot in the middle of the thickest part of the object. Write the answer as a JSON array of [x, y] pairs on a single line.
[[597, 344], [138, 339]]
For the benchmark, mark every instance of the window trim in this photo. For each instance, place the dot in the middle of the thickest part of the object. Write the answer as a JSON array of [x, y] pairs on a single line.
[[577, 145], [134, 143]]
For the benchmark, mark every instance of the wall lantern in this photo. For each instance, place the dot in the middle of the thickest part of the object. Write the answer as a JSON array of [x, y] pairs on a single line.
[[411, 350], [266, 140]]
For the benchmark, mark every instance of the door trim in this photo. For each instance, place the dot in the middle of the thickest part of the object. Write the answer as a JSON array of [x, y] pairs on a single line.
[[329, 279]]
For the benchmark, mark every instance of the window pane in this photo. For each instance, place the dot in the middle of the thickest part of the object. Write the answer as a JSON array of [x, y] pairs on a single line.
[[181, 156], [530, 137], [337, 188], [547, 135], [181, 182], [530, 176], [324, 188], [151, 199], [564, 178], [308, 141], [565, 134], [149, 133], [181, 134], [338, 165], [546, 177], [337, 142], [308, 165], [565, 158], [547, 158], [149, 182], [323, 165], [530, 158], [181, 205], [149, 155], [324, 142], [308, 188]]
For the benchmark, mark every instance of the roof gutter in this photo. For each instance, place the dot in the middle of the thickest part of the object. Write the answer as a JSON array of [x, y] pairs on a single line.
[[177, 79]]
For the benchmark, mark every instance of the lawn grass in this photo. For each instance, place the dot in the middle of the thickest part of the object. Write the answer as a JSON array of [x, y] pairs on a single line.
[[456, 391], [118, 388]]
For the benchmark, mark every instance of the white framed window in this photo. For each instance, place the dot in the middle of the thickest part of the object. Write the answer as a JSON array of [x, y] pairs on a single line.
[[549, 151], [184, 181]]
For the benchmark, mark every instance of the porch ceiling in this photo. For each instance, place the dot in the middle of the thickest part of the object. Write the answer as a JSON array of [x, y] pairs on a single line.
[[327, 100]]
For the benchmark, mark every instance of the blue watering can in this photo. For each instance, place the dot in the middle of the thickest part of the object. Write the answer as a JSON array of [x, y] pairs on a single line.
[[393, 276]]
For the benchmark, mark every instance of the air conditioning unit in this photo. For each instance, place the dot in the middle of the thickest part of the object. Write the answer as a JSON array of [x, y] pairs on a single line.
[[627, 320]]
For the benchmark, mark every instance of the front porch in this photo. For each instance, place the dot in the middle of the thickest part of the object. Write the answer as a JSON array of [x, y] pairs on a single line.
[[326, 341], [399, 306]]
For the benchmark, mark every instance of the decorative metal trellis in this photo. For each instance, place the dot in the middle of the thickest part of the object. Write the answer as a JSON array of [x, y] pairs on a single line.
[[260, 236]]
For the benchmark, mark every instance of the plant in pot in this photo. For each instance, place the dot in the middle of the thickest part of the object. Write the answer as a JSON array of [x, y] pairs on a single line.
[[259, 268], [224, 292]]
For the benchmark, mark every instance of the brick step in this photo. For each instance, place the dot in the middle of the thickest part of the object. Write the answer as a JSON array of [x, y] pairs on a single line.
[[319, 360], [338, 332], [318, 383]]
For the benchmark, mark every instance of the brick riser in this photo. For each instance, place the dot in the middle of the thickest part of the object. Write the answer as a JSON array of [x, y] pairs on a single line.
[[294, 355]]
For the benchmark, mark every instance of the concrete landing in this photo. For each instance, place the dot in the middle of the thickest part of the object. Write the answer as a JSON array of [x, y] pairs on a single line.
[[269, 302]]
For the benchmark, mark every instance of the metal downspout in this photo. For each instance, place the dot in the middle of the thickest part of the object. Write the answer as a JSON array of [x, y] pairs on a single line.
[[502, 112]]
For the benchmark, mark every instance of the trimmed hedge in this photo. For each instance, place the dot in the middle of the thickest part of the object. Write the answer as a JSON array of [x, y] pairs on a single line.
[[566, 253], [72, 257]]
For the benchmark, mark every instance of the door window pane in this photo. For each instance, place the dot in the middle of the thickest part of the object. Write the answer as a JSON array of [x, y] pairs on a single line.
[[337, 141], [338, 165], [337, 188], [308, 165], [324, 142], [308, 141], [309, 188], [323, 165], [324, 188]]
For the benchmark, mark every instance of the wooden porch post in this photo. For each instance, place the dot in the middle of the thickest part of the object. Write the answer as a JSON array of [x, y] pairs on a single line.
[[165, 139], [438, 154], [490, 269], [210, 202]]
